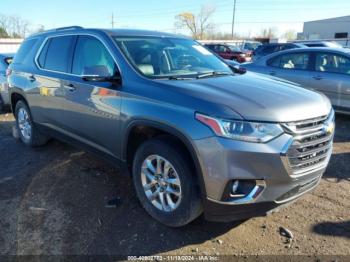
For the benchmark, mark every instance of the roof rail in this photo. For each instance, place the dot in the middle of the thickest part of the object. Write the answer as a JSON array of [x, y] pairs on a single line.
[[75, 27]]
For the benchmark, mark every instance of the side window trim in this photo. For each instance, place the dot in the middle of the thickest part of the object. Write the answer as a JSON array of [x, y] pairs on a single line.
[[72, 53]]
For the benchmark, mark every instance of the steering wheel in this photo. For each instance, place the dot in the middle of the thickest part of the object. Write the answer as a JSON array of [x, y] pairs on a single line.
[[187, 61]]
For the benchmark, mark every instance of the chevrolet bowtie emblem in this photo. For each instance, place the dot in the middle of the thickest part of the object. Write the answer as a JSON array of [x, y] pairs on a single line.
[[329, 128]]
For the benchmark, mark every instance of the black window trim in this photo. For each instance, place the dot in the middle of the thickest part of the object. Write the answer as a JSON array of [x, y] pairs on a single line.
[[309, 64], [70, 62], [315, 53]]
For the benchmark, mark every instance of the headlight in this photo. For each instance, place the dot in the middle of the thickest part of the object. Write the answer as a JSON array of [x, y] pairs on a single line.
[[242, 55], [242, 130]]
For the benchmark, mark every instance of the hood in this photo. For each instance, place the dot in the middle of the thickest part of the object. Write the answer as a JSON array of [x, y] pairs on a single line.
[[257, 98]]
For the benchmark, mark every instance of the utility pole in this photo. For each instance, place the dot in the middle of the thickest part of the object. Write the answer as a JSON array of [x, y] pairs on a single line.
[[233, 18], [112, 22]]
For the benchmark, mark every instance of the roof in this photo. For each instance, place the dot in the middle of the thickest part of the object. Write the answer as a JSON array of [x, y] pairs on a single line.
[[340, 19], [339, 50], [114, 32]]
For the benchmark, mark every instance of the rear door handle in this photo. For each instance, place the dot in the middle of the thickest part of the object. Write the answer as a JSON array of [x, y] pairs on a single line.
[[317, 77], [70, 87], [31, 78]]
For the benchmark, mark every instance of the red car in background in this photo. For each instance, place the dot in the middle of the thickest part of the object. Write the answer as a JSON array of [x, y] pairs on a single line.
[[229, 52]]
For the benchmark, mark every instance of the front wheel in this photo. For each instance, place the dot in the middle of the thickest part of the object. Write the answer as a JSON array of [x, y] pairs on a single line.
[[165, 184]]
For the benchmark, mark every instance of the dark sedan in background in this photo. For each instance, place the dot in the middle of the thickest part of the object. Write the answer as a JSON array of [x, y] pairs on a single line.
[[5, 60], [268, 49], [322, 69]]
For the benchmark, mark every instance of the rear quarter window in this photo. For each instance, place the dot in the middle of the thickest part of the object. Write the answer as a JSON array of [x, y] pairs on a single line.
[[26, 52]]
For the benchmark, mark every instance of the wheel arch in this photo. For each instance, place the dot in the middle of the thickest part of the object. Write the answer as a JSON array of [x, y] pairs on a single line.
[[163, 129]]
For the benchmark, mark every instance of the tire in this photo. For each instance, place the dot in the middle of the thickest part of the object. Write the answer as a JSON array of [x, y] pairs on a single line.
[[33, 138], [2, 106], [189, 207]]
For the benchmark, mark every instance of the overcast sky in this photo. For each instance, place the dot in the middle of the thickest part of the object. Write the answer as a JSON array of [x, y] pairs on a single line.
[[251, 15]]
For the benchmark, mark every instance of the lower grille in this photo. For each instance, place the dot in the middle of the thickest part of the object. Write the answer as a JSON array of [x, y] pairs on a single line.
[[312, 143]]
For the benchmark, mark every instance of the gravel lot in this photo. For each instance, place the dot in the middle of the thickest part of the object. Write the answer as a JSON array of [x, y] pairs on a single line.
[[53, 200]]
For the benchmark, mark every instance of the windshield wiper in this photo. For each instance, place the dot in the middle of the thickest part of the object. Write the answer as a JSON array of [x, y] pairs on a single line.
[[213, 73], [179, 78]]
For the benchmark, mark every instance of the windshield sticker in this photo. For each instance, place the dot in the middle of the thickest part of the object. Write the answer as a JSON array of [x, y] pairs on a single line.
[[202, 50]]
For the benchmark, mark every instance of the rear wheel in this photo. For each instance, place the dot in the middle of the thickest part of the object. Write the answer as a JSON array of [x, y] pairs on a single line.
[[165, 184], [28, 132]]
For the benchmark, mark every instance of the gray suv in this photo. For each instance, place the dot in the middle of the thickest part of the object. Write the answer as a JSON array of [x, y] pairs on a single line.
[[194, 136]]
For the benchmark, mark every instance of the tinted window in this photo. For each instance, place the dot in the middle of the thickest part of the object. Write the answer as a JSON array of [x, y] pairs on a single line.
[[287, 46], [92, 58], [332, 63], [58, 53], [24, 52], [160, 57], [42, 56], [275, 61], [295, 61], [268, 49], [223, 48]]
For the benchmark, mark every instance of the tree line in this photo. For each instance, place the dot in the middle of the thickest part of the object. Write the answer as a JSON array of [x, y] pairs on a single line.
[[16, 27], [201, 27]]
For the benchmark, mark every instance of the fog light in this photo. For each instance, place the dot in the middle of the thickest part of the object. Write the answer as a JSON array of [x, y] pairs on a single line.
[[234, 188], [243, 190]]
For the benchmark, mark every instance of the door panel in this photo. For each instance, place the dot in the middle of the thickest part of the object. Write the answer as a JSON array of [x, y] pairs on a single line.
[[92, 114], [328, 84], [92, 108], [332, 77], [292, 67], [54, 62]]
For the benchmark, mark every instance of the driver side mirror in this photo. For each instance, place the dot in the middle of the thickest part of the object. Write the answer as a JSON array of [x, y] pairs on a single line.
[[97, 78], [100, 73], [238, 69]]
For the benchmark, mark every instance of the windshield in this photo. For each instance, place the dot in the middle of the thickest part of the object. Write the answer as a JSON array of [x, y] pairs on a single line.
[[160, 57], [234, 48], [251, 46]]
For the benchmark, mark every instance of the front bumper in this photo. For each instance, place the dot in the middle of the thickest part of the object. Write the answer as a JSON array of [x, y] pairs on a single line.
[[223, 160]]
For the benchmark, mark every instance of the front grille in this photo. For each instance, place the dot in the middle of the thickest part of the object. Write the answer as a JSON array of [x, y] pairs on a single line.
[[312, 143]]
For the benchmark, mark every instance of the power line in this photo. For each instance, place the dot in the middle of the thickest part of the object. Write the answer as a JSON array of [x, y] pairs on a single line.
[[233, 17], [112, 21]]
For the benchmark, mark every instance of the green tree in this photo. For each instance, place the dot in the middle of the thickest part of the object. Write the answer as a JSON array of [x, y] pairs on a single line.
[[3, 33]]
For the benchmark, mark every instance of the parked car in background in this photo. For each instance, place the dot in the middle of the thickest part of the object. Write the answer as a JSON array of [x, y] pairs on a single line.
[[250, 46], [319, 44], [5, 60], [322, 69], [267, 49], [194, 136], [228, 52]]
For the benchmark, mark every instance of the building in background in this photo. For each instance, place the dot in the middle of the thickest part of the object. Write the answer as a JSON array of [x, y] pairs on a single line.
[[9, 45], [332, 28]]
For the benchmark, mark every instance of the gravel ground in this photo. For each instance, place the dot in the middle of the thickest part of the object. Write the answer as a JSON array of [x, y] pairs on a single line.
[[53, 201]]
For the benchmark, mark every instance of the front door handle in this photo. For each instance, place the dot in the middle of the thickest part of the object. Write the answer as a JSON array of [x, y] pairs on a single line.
[[272, 73], [70, 87], [317, 77]]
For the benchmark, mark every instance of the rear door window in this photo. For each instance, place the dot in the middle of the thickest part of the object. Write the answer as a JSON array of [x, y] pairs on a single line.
[[58, 54], [298, 61], [332, 63]]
